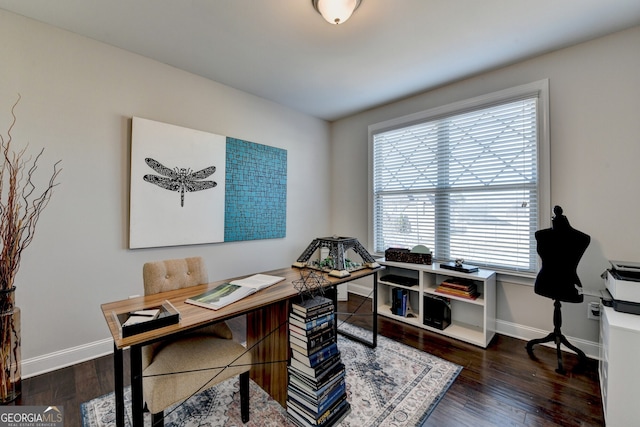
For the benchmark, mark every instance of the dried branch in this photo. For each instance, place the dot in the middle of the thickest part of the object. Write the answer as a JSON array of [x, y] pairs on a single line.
[[20, 203]]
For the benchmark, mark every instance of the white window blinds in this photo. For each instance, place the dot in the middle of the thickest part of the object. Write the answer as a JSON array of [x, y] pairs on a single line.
[[464, 184]]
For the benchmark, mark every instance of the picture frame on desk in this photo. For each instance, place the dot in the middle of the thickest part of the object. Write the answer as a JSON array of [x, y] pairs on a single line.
[[167, 315]]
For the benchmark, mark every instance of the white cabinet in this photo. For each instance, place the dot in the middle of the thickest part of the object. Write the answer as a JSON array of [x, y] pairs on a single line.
[[619, 368], [473, 321]]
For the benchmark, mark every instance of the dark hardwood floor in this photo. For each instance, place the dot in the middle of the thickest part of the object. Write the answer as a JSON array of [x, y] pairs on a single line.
[[498, 386]]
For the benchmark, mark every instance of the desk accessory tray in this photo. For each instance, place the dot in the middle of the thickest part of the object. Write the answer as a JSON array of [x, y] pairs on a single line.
[[168, 315]]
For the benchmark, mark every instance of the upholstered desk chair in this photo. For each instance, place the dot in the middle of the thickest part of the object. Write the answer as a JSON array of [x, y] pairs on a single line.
[[175, 369]]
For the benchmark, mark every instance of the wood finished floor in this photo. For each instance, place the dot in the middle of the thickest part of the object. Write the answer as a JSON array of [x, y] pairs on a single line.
[[498, 386]]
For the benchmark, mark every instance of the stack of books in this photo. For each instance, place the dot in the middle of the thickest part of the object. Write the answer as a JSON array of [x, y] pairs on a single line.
[[462, 288], [317, 389]]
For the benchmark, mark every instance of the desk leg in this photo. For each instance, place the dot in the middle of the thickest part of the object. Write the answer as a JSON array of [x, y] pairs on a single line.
[[375, 309], [136, 386], [374, 342], [118, 385], [268, 338]]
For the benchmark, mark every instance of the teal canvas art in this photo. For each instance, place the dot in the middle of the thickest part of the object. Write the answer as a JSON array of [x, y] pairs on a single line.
[[256, 191]]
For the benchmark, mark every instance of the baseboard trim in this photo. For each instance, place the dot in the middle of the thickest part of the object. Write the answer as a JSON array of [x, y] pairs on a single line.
[[526, 333], [362, 290], [522, 332], [67, 357]]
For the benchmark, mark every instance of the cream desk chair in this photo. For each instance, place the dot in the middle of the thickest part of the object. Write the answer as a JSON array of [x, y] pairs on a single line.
[[175, 369]]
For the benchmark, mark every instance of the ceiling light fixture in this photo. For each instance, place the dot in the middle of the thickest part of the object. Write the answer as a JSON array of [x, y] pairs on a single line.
[[335, 11]]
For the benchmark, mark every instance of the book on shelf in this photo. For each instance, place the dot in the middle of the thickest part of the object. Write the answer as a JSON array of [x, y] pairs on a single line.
[[308, 306], [312, 338], [312, 322], [308, 350], [228, 293], [459, 287], [314, 388], [302, 331], [303, 364], [314, 359], [457, 283], [322, 395], [310, 344], [338, 391], [318, 372], [313, 382], [315, 313], [399, 301], [457, 293], [329, 417], [317, 407]]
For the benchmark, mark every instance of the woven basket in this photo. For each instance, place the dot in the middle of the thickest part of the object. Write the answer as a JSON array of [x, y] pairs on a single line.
[[405, 255]]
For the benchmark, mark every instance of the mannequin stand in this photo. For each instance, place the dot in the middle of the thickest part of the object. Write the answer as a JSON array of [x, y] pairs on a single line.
[[557, 337]]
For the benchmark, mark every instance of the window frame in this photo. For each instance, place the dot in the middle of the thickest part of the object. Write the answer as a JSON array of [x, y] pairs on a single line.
[[539, 89]]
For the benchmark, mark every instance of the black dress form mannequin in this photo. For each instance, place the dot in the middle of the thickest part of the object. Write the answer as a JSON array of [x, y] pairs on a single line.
[[560, 248]]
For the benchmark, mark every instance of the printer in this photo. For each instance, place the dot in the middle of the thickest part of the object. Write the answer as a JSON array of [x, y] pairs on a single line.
[[622, 282]]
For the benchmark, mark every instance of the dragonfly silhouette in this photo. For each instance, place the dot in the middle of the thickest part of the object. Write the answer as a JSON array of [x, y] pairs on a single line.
[[179, 179]]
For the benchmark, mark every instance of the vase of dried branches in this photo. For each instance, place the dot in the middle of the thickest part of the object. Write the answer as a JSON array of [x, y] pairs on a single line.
[[21, 204], [10, 358]]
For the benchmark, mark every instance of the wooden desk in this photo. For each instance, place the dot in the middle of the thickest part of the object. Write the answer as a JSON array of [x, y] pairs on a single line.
[[267, 333]]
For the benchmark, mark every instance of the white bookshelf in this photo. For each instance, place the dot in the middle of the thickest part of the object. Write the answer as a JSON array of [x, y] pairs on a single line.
[[472, 321]]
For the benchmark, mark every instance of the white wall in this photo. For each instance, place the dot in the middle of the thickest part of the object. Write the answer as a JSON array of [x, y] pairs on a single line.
[[78, 97], [595, 177]]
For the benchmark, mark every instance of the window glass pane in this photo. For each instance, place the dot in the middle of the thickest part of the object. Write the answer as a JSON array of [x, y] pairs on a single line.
[[465, 185], [492, 228], [406, 220]]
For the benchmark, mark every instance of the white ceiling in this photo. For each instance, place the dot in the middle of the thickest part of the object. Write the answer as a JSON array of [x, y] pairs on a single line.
[[284, 51]]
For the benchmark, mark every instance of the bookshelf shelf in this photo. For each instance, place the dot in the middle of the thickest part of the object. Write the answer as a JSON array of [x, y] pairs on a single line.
[[385, 310], [472, 321], [395, 285]]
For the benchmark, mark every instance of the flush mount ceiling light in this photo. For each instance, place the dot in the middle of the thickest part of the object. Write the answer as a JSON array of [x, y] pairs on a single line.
[[335, 11]]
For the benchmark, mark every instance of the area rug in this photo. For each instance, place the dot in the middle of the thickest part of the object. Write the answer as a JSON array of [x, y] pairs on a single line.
[[391, 385]]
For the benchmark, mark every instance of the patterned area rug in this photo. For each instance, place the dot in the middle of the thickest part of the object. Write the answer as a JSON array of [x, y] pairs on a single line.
[[392, 384]]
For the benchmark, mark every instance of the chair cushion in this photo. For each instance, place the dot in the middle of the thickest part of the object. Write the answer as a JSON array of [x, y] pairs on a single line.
[[205, 355], [220, 330]]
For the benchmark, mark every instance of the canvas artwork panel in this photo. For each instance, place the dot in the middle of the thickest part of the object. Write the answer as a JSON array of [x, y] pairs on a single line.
[[167, 205], [194, 187], [256, 187]]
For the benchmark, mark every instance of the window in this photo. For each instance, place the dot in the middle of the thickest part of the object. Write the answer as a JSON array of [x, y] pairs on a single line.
[[468, 180]]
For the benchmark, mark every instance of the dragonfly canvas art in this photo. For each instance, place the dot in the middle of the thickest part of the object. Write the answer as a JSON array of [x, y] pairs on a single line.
[[229, 190], [177, 185], [179, 179]]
